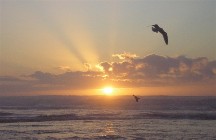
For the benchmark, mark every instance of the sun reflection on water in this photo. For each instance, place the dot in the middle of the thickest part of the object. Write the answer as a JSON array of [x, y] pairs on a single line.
[[109, 130]]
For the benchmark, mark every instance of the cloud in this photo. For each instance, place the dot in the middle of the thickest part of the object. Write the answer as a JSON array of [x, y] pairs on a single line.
[[43, 81], [73, 80], [87, 66], [64, 68], [152, 70], [125, 56], [155, 68], [11, 85]]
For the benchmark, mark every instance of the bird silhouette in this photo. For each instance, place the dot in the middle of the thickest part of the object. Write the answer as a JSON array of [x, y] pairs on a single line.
[[136, 98], [157, 29]]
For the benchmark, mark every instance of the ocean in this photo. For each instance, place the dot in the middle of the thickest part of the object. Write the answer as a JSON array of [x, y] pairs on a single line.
[[107, 117]]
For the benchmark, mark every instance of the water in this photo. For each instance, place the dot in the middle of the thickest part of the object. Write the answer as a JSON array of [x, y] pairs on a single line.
[[99, 117]]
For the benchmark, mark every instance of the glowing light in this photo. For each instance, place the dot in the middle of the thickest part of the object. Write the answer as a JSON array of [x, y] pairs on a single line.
[[108, 90], [99, 68], [110, 69]]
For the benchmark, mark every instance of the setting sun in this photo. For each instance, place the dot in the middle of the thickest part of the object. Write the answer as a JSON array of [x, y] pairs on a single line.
[[108, 90]]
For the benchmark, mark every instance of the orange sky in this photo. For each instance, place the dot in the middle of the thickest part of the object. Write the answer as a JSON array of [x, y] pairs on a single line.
[[80, 47], [150, 75]]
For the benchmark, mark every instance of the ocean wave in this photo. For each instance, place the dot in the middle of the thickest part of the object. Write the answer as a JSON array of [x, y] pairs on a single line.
[[45, 131], [5, 114], [177, 115], [109, 137], [40, 118], [112, 116], [103, 137]]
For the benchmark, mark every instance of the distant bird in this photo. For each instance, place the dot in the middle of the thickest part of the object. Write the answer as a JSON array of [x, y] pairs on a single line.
[[136, 98], [157, 29]]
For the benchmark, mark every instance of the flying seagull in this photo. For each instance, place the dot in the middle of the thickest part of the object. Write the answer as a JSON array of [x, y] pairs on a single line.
[[136, 98], [157, 29]]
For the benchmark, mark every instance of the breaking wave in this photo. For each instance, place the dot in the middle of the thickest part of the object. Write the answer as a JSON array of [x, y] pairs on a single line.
[[11, 118]]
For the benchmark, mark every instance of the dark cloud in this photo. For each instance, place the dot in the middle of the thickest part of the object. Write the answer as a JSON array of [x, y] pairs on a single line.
[[73, 80], [8, 78], [152, 70], [12, 85], [106, 66], [160, 68], [43, 81]]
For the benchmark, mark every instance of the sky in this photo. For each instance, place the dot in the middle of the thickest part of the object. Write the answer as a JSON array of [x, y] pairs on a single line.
[[78, 47]]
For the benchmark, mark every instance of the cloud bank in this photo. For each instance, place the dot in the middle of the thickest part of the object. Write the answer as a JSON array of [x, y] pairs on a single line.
[[130, 71], [159, 69]]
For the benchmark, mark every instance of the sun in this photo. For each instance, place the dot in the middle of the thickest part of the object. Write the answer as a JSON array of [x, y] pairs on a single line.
[[108, 90]]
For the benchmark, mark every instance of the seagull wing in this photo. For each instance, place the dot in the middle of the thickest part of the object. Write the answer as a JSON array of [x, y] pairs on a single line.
[[165, 36], [157, 28]]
